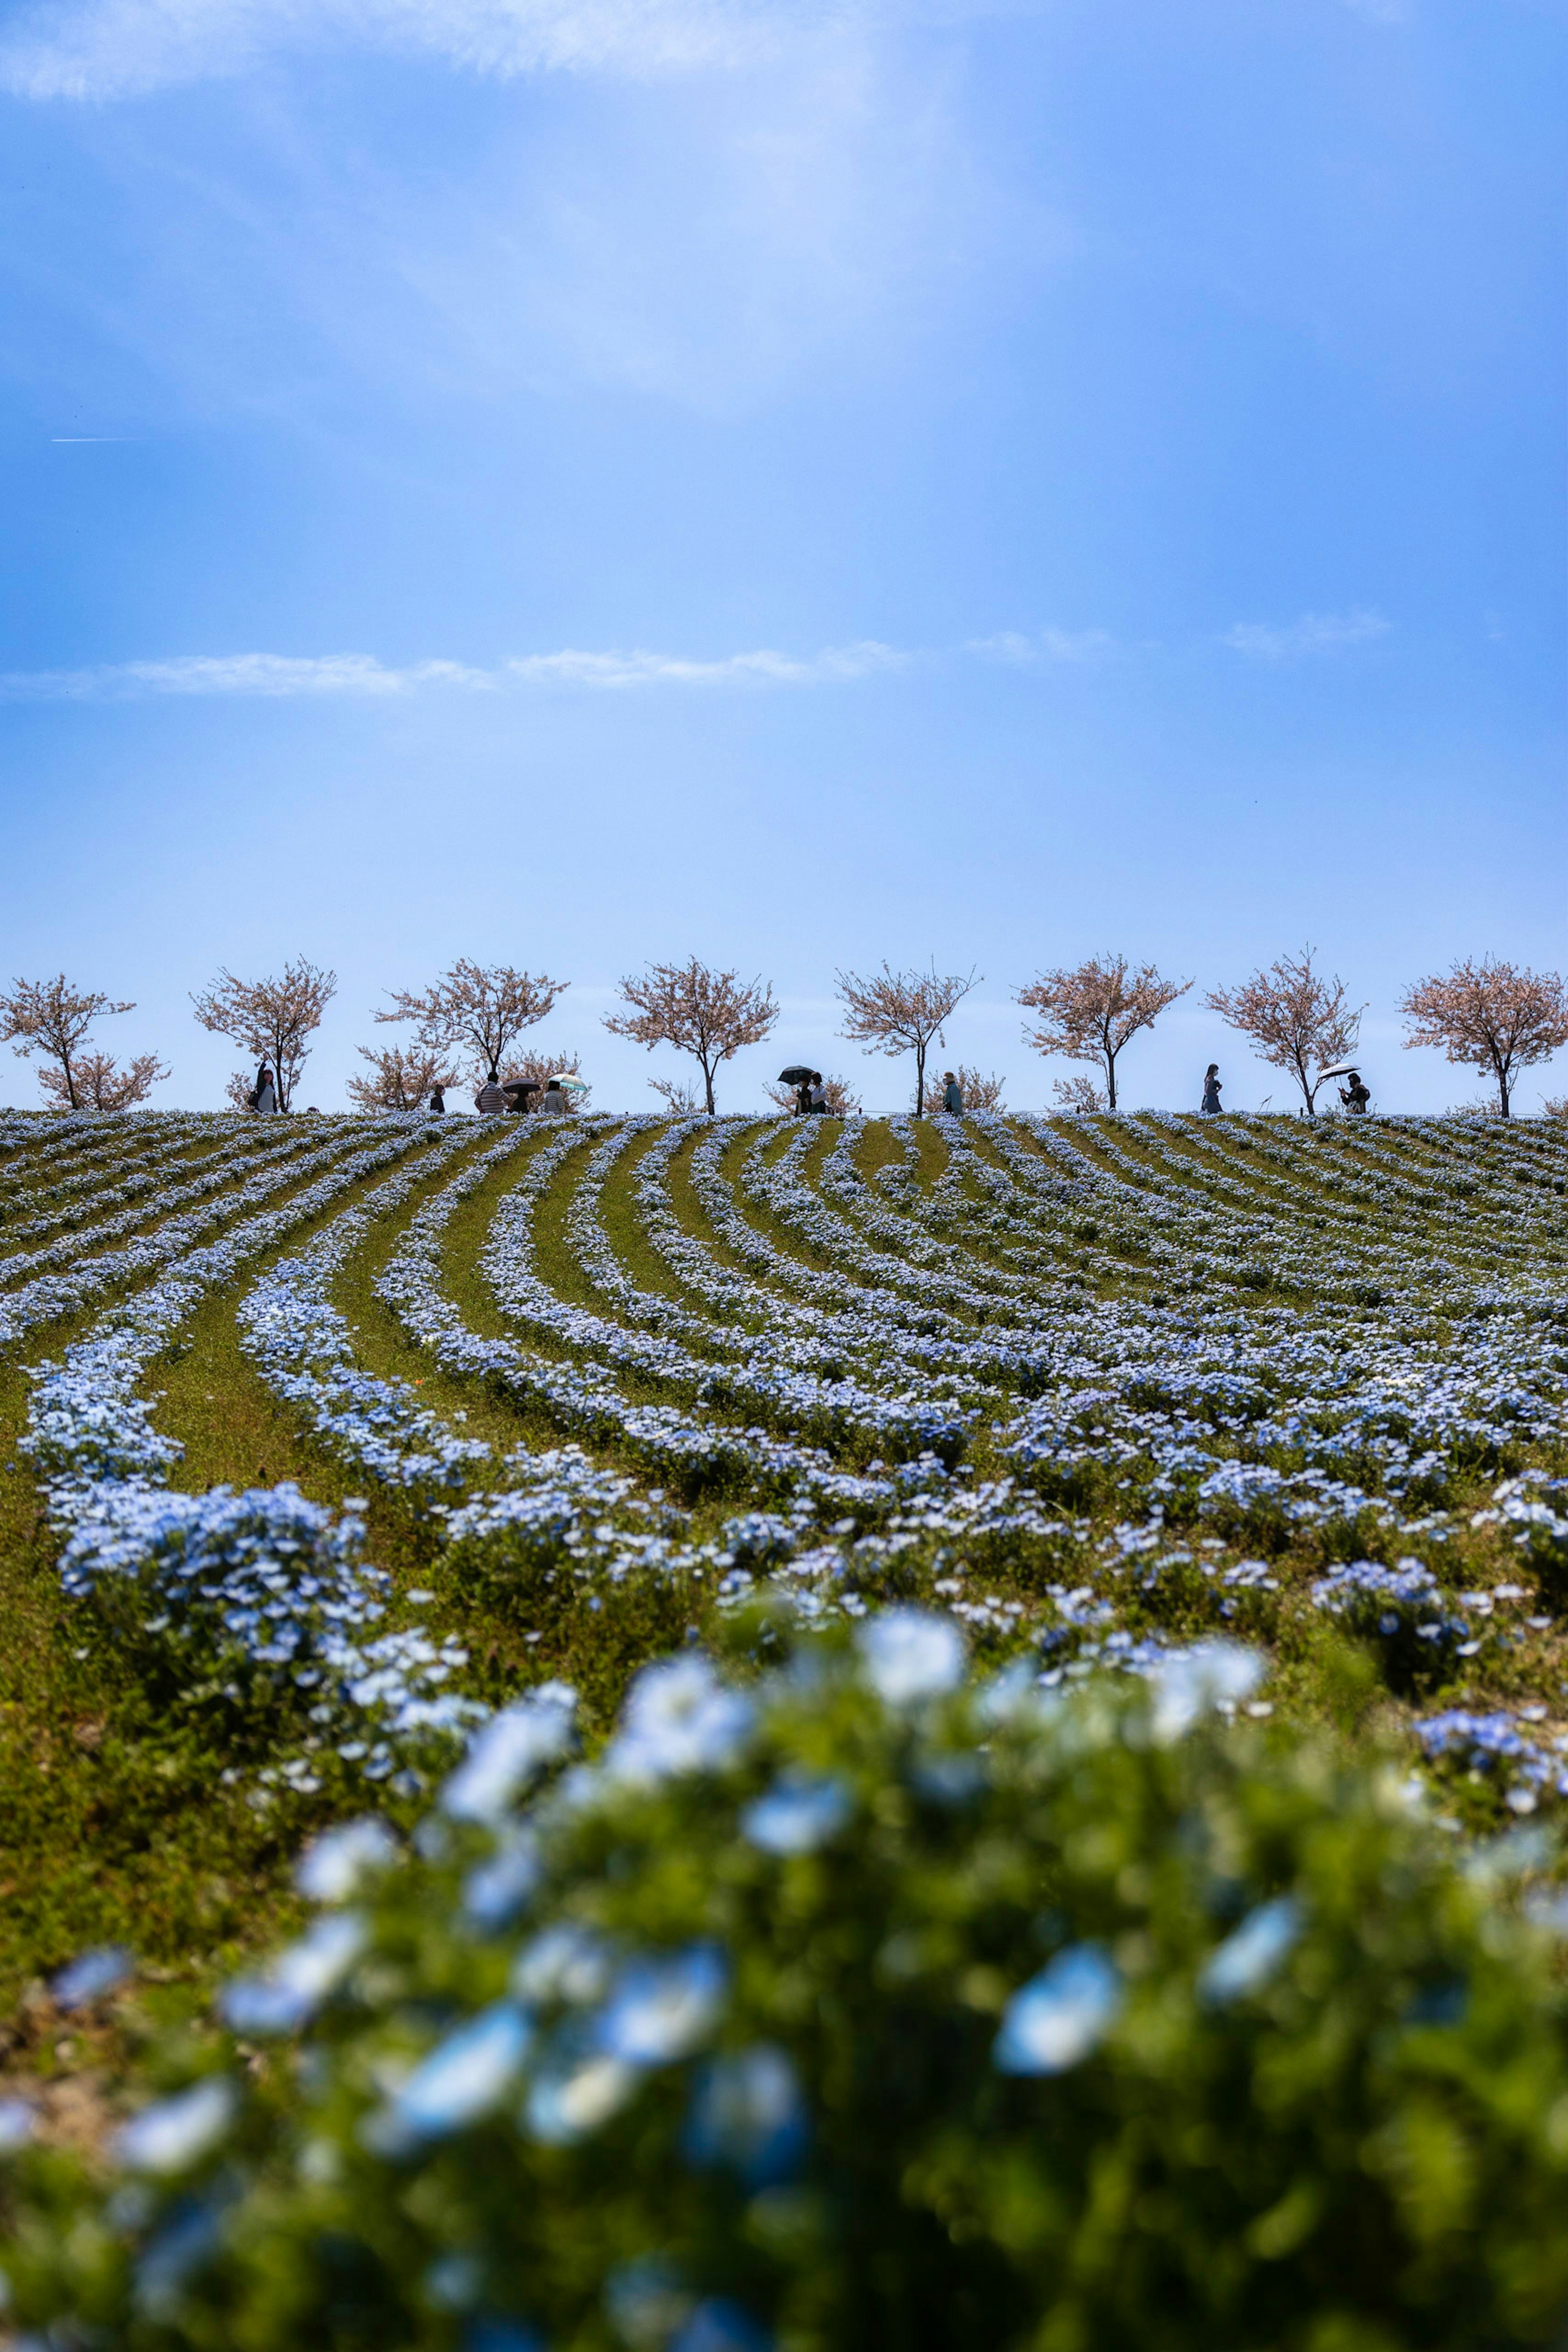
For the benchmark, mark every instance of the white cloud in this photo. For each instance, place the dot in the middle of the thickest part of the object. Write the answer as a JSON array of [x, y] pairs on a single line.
[[1045, 645], [283, 675], [1314, 633]]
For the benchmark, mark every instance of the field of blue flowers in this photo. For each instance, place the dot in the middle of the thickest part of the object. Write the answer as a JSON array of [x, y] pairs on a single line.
[[339, 1450]]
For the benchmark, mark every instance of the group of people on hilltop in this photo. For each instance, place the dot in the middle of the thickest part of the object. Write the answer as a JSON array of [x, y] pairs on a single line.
[[500, 1095], [1354, 1095], [811, 1098]]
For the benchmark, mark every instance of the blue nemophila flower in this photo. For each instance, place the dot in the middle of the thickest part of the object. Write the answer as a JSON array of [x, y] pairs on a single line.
[[797, 1815], [487, 2333], [335, 1864], [17, 2121], [647, 2301], [911, 1654], [181, 2247], [1189, 1683], [574, 2089], [295, 1984], [563, 1963], [665, 2008], [720, 2325], [509, 1750], [748, 2112], [1250, 1957], [495, 1891], [453, 2282], [92, 1975], [679, 1717], [1060, 2015], [177, 2132], [464, 2076]]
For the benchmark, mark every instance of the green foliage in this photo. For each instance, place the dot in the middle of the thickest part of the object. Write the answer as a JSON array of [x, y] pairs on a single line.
[[854, 2005]]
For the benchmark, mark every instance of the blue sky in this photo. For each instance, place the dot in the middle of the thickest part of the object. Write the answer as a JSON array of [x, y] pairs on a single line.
[[571, 482]]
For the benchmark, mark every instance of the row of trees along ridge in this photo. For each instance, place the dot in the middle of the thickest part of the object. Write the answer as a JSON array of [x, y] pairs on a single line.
[[1490, 1015]]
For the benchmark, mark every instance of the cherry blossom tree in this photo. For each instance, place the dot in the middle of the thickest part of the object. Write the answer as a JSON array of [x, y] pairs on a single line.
[[897, 1013], [981, 1091], [52, 1018], [101, 1084], [1295, 1017], [1090, 1013], [476, 1011], [709, 1014], [400, 1078], [1497, 1017], [272, 1019]]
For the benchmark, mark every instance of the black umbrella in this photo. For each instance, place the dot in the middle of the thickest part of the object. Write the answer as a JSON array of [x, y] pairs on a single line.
[[795, 1074]]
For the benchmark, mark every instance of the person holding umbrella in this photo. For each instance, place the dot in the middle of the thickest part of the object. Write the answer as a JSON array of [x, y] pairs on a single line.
[[798, 1077]]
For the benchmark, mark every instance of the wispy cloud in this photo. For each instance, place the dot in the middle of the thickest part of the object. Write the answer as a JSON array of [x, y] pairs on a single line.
[[362, 675], [1314, 633], [1044, 646], [117, 49], [120, 49]]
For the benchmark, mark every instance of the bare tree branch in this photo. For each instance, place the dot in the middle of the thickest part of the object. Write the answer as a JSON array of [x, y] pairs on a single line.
[[52, 1018], [1294, 1018], [476, 1010], [270, 1018], [1090, 1013], [709, 1014], [1080, 1094], [896, 1012], [1497, 1017]]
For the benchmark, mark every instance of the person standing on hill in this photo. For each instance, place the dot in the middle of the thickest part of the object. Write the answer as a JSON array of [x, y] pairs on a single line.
[[438, 1101], [819, 1096], [553, 1104], [489, 1099], [266, 1089], [952, 1096], [1211, 1101]]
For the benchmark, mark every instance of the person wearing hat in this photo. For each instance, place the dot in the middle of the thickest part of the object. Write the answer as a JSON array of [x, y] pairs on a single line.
[[952, 1096]]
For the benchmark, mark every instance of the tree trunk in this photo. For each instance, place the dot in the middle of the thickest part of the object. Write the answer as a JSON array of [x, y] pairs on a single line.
[[70, 1082], [707, 1085], [919, 1079], [1111, 1077], [1503, 1090]]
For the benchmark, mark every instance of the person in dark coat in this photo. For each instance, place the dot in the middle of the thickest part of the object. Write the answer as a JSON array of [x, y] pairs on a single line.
[[1211, 1101], [819, 1103], [952, 1096], [1355, 1095], [438, 1101]]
